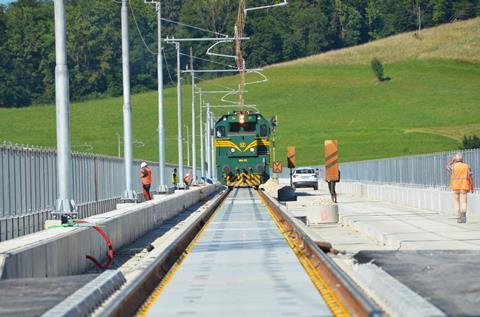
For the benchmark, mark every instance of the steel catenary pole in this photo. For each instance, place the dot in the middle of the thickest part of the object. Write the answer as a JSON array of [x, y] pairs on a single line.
[[202, 150], [65, 206], [128, 194], [179, 117], [194, 147]]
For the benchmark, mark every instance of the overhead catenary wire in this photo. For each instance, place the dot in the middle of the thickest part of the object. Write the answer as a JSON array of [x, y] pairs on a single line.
[[168, 70], [139, 32], [179, 23], [239, 32], [208, 60], [194, 27], [170, 21]]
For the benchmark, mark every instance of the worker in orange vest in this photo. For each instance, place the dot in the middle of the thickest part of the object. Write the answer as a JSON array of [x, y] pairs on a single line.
[[146, 175], [461, 182]]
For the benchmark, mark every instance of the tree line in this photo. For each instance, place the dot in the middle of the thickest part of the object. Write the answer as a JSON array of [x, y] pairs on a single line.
[[304, 27]]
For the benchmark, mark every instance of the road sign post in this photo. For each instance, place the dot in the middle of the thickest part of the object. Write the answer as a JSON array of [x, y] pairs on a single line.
[[277, 168], [291, 161]]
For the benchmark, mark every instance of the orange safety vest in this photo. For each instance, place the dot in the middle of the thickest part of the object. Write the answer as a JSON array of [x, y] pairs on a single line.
[[460, 177], [146, 176]]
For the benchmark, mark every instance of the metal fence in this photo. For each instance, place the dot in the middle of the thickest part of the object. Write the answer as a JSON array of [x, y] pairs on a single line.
[[420, 170], [28, 179], [16, 226]]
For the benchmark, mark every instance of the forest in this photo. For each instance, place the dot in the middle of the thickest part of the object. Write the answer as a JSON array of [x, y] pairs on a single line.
[[302, 28]]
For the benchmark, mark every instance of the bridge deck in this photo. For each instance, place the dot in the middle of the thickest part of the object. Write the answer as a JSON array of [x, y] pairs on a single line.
[[240, 266]]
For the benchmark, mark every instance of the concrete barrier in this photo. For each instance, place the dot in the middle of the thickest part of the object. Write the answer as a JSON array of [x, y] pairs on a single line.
[[320, 214], [417, 197], [63, 251]]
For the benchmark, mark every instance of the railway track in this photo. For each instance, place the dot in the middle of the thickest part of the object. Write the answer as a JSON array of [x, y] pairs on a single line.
[[242, 257]]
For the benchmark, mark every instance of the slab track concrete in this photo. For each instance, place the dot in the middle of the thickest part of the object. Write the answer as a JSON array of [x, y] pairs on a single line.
[[240, 266]]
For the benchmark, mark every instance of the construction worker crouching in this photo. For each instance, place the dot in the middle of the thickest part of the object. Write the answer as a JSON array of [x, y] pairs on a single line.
[[461, 182], [146, 175], [187, 179]]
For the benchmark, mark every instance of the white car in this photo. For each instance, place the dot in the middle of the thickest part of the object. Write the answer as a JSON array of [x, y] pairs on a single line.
[[305, 177]]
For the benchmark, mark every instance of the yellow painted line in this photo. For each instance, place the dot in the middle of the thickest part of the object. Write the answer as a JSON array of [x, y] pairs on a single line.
[[227, 144], [151, 300], [257, 143], [252, 144], [333, 302]]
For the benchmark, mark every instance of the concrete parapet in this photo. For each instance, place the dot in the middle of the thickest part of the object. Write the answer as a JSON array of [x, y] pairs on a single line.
[[417, 197], [63, 251]]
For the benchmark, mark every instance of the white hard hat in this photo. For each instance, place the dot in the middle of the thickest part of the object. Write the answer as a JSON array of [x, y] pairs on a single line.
[[458, 157], [143, 164]]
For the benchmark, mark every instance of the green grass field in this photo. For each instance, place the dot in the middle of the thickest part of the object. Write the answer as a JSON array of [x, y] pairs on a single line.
[[426, 107]]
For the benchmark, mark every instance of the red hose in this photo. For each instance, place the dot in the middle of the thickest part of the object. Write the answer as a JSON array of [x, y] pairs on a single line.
[[109, 245]]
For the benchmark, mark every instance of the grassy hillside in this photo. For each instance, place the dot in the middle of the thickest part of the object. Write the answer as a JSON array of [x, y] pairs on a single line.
[[431, 101], [456, 41]]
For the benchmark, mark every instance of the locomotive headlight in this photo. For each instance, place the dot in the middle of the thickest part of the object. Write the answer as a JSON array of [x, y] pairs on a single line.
[[241, 118], [232, 150], [252, 150]]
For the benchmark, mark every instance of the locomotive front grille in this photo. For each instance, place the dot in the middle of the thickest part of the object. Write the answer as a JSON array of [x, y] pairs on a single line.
[[244, 180]]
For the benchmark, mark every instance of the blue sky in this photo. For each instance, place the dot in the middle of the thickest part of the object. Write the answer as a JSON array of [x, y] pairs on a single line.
[[5, 1]]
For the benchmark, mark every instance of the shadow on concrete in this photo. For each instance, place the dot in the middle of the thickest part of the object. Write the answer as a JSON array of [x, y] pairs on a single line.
[[448, 279]]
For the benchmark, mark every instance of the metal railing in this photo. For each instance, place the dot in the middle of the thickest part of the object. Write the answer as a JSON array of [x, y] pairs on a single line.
[[28, 179], [420, 170]]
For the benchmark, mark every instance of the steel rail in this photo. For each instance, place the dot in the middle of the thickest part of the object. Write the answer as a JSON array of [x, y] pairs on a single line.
[[350, 294], [131, 298]]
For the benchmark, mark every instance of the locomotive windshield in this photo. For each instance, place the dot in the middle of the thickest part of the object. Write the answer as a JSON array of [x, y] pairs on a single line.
[[247, 127], [234, 127], [250, 127]]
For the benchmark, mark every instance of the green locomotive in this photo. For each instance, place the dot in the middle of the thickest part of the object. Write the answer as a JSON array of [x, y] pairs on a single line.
[[242, 147]]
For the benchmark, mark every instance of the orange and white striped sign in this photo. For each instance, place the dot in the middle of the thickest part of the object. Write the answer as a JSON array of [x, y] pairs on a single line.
[[331, 160], [277, 167]]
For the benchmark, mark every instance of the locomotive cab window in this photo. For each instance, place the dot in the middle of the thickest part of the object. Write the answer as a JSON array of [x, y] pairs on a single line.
[[263, 130], [249, 127], [221, 132], [234, 127]]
